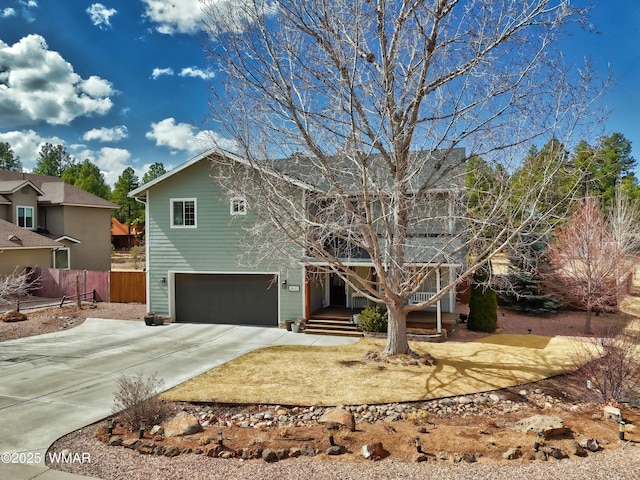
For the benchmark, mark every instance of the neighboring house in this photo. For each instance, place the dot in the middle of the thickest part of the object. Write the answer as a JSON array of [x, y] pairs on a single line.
[[45, 222], [123, 236], [192, 249]]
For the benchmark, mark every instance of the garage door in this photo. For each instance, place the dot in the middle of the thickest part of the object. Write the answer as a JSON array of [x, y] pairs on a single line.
[[228, 299]]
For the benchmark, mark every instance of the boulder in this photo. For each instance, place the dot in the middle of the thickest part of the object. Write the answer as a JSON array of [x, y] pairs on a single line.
[[590, 444], [576, 450], [115, 441], [131, 443], [336, 450], [182, 424], [373, 451], [512, 454], [339, 416], [307, 450], [612, 414], [146, 448], [171, 451], [269, 455], [548, 425], [13, 316]]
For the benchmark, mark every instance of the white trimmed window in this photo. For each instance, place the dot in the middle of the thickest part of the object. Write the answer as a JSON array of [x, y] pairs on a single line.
[[61, 258], [238, 206], [25, 217], [183, 213]]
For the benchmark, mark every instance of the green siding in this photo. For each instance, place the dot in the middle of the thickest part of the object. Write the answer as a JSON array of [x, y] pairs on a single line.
[[213, 246]]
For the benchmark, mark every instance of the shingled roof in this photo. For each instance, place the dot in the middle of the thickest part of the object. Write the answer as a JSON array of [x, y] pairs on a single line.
[[54, 190], [12, 236]]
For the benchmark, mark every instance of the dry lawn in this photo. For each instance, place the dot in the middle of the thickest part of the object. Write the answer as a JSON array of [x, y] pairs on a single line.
[[295, 375]]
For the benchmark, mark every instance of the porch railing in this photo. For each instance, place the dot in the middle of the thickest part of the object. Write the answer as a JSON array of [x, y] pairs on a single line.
[[420, 297]]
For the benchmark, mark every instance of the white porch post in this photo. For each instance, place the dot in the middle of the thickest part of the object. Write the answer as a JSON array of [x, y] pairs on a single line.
[[438, 305], [452, 292]]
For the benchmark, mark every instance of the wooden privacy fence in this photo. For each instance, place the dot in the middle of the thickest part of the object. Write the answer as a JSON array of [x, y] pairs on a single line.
[[119, 287], [128, 287]]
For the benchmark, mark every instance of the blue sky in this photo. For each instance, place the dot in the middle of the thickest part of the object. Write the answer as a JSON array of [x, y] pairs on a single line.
[[124, 82]]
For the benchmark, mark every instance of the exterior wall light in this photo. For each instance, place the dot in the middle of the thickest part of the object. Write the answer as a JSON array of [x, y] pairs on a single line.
[[163, 281]]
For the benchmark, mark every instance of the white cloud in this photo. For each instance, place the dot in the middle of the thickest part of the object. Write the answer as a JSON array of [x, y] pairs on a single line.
[[37, 84], [196, 72], [114, 134], [185, 137], [8, 12], [27, 144], [186, 16], [27, 5], [172, 17], [157, 72], [100, 15]]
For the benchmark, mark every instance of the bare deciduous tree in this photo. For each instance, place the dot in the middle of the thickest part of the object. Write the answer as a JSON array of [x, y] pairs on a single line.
[[370, 102], [591, 258]]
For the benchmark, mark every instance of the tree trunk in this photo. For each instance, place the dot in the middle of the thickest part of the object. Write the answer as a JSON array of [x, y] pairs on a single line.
[[587, 322], [397, 331]]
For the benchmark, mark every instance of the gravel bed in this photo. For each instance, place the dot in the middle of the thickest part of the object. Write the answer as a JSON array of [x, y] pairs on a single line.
[[110, 463]]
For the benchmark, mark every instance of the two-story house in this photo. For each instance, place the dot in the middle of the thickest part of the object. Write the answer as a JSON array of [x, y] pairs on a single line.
[[193, 246], [45, 222]]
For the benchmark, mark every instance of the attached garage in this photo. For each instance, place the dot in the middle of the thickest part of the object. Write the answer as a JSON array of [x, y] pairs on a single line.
[[236, 299]]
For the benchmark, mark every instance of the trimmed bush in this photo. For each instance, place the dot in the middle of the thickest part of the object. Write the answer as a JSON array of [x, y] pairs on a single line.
[[483, 309], [374, 318]]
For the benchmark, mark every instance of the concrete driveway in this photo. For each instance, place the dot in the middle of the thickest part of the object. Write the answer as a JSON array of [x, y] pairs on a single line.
[[53, 384]]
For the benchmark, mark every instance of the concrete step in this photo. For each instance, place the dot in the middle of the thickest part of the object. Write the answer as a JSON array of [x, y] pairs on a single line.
[[336, 332]]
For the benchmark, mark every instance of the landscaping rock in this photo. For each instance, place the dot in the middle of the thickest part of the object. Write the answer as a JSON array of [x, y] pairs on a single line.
[[115, 441], [214, 451], [336, 450], [307, 450], [13, 316], [557, 453], [421, 457], [590, 444], [373, 451], [182, 424], [512, 454], [294, 452], [541, 456], [131, 443], [576, 450], [159, 450], [171, 451], [339, 416], [612, 414], [269, 455], [146, 448], [549, 425]]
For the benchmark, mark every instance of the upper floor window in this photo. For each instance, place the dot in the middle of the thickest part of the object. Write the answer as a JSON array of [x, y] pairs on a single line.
[[25, 217], [183, 212], [238, 206]]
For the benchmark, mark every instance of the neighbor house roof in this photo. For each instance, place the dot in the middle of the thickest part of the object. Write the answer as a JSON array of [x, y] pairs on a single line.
[[14, 237], [52, 190], [118, 228]]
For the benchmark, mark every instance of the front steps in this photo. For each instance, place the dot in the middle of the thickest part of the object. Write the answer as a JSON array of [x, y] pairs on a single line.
[[336, 325]]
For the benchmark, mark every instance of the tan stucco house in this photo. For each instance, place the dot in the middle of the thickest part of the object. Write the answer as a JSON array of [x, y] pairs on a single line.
[[45, 222]]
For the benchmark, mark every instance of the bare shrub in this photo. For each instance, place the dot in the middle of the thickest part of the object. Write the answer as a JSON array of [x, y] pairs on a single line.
[[18, 284], [612, 372], [136, 398]]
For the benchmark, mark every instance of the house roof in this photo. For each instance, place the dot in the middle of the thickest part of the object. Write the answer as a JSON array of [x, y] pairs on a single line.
[[299, 170], [118, 228], [14, 237], [52, 190], [12, 186]]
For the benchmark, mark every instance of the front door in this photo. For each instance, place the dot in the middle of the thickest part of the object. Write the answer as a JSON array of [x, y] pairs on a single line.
[[337, 291]]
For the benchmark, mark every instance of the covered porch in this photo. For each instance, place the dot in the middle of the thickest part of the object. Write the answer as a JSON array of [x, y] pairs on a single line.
[[327, 296]]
